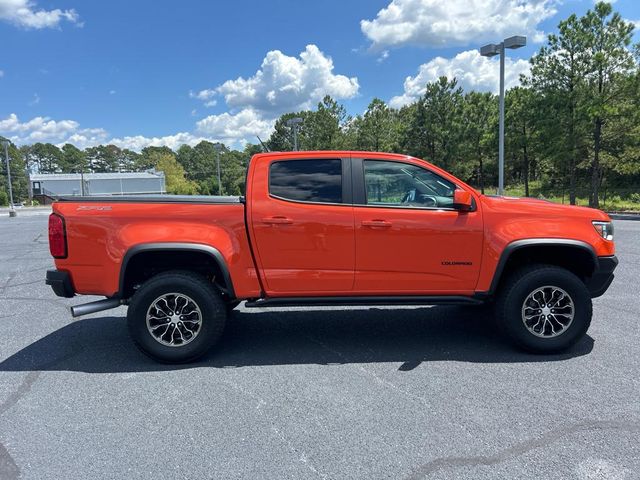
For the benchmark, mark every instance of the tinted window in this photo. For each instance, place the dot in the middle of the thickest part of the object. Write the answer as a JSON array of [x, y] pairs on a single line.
[[403, 184], [307, 180]]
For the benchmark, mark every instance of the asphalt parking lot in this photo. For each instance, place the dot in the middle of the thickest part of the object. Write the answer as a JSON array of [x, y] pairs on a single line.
[[312, 392]]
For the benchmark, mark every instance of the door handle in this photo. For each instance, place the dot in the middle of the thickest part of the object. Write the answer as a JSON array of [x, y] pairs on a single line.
[[277, 220], [376, 223]]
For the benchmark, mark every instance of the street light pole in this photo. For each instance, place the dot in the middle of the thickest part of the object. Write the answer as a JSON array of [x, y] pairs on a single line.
[[293, 123], [217, 147], [501, 127], [12, 212], [491, 50]]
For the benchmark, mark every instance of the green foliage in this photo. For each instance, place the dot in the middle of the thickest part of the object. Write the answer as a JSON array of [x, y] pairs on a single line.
[[19, 180], [174, 175], [585, 80], [73, 159], [376, 130]]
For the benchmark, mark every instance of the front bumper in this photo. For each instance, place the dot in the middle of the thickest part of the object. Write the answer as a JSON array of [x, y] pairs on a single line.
[[60, 282], [602, 277]]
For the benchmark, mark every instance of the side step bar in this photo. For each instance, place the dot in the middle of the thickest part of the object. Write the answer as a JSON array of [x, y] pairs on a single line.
[[354, 301], [93, 307]]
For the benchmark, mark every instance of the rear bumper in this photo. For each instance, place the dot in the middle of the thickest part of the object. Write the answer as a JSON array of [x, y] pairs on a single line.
[[603, 276], [60, 283]]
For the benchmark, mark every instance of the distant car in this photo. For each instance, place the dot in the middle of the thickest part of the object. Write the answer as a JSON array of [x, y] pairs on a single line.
[[331, 228]]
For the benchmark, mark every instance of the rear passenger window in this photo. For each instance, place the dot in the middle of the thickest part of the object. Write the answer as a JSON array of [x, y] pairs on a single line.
[[307, 180]]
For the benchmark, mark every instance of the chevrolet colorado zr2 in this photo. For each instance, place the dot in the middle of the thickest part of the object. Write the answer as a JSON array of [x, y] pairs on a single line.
[[331, 228]]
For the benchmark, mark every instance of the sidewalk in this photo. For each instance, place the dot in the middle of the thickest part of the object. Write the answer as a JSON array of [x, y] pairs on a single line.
[[27, 211], [624, 216]]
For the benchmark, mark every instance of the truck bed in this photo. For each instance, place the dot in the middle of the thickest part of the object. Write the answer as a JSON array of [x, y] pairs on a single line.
[[102, 229]]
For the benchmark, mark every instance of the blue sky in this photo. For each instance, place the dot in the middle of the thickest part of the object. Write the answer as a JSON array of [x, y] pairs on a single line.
[[146, 72]]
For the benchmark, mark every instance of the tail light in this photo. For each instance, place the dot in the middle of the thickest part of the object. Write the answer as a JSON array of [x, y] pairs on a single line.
[[57, 236]]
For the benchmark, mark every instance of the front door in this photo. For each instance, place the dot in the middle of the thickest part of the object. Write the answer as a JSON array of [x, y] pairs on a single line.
[[302, 226], [409, 238]]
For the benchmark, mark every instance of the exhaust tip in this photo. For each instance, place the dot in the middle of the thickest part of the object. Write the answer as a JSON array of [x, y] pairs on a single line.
[[93, 307]]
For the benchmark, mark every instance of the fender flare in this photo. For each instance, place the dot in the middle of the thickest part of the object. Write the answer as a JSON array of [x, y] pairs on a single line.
[[182, 247], [536, 242]]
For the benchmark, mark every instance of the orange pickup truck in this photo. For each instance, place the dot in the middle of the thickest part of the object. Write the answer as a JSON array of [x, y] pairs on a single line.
[[331, 228]]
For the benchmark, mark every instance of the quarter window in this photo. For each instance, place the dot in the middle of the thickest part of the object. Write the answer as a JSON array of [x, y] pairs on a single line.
[[307, 180], [407, 185]]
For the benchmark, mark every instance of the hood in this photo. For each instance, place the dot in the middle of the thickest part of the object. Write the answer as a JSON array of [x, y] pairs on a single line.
[[529, 205]]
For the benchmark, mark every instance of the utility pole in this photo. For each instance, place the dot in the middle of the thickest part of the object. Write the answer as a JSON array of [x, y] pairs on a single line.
[[491, 50], [218, 147], [12, 211], [293, 123]]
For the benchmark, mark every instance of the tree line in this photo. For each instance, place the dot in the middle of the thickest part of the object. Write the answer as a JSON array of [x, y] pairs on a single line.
[[573, 125]]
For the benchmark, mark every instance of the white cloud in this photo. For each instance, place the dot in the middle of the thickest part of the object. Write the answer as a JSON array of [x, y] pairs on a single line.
[[24, 13], [232, 128], [284, 84], [138, 142], [87, 137], [44, 129], [206, 96], [472, 71], [112, 92], [383, 56], [1, 73], [35, 100], [37, 127], [435, 23], [636, 24], [229, 129]]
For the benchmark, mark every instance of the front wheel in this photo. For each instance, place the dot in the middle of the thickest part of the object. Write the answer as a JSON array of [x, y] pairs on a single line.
[[175, 317], [544, 309]]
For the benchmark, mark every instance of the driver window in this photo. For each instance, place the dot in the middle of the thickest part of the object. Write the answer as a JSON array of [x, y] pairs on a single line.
[[402, 184]]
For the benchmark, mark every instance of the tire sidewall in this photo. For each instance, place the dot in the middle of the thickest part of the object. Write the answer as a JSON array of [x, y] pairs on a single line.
[[567, 281], [207, 299]]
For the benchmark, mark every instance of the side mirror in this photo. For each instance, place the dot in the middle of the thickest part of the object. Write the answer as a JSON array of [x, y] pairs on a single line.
[[462, 200]]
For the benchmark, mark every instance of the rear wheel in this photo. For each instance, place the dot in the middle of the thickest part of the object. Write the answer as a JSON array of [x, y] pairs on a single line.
[[544, 309], [175, 317]]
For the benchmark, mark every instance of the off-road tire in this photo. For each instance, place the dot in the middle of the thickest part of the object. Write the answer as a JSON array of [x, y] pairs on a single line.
[[203, 293], [523, 282]]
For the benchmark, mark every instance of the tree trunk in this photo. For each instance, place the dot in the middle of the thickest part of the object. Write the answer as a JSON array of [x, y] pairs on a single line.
[[525, 159], [572, 180], [595, 165], [572, 142], [480, 173]]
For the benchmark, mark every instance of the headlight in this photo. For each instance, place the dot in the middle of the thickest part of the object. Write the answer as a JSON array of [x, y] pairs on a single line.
[[604, 229]]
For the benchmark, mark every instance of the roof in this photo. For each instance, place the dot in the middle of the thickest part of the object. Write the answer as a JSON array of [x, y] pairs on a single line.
[[95, 176]]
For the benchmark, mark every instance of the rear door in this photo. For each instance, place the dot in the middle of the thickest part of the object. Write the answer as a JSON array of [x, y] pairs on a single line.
[[301, 219], [409, 238]]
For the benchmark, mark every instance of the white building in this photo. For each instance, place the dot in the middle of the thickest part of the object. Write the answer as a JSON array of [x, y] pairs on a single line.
[[58, 184]]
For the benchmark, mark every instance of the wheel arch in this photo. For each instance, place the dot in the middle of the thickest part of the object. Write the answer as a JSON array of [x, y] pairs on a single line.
[[575, 255], [205, 257]]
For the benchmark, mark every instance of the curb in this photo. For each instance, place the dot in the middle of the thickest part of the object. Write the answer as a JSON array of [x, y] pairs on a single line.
[[625, 216]]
